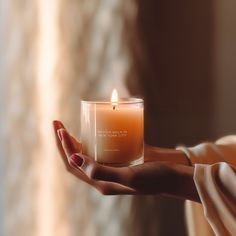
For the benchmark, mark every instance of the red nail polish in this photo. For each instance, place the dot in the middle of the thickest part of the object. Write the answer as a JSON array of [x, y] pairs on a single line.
[[78, 160]]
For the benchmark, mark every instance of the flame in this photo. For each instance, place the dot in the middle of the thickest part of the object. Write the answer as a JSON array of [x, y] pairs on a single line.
[[114, 97]]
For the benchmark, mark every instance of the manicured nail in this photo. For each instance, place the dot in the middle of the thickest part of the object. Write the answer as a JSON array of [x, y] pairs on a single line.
[[59, 133], [56, 122], [77, 159]]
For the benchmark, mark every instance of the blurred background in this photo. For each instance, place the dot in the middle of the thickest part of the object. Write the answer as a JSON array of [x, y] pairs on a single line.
[[180, 56]]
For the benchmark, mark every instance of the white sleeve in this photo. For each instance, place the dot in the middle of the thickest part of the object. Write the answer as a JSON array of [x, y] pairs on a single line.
[[216, 186], [223, 150], [215, 179]]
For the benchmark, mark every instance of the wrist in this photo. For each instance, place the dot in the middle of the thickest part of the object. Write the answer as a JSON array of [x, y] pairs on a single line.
[[180, 183], [166, 155]]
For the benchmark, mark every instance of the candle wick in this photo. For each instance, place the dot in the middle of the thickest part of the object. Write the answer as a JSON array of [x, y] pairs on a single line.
[[114, 107]]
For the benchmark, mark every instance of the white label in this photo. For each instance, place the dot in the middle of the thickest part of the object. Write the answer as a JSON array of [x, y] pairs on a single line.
[[112, 133]]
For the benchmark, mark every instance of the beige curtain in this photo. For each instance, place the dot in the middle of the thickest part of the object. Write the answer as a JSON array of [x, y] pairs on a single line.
[[53, 53], [19, 134], [48, 65]]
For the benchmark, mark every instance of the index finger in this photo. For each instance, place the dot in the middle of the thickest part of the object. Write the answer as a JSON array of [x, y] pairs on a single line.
[[58, 125]]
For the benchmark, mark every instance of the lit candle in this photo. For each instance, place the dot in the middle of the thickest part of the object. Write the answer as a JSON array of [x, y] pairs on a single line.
[[112, 131]]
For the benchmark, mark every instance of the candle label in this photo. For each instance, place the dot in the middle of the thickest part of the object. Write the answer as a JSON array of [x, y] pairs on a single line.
[[112, 133]]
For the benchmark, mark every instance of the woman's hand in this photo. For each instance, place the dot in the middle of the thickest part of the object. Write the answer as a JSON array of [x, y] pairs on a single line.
[[149, 178]]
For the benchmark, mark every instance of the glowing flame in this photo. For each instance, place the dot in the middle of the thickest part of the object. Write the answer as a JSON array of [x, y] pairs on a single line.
[[114, 98]]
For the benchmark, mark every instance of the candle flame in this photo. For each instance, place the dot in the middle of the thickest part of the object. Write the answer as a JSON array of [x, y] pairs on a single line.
[[114, 98]]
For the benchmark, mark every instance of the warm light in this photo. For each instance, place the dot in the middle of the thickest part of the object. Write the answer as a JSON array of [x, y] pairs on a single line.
[[48, 212], [114, 98]]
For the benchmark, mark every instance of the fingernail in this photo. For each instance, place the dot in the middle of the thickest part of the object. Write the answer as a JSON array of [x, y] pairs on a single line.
[[58, 124], [77, 159], [55, 122], [59, 133]]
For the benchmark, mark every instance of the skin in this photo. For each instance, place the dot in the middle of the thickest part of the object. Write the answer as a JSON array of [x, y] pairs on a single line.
[[165, 171]]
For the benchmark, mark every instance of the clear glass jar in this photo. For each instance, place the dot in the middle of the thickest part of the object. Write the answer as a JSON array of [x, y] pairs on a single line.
[[113, 133]]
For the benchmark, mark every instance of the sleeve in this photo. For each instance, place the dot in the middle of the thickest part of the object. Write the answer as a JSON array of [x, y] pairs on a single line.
[[223, 150], [216, 186]]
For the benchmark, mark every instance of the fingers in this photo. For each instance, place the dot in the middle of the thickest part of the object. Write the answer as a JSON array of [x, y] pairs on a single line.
[[77, 145], [62, 137], [91, 168], [109, 188], [97, 171], [107, 180], [73, 145], [69, 144], [58, 125]]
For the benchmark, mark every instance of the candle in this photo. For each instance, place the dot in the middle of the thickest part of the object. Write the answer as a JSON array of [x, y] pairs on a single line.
[[112, 131]]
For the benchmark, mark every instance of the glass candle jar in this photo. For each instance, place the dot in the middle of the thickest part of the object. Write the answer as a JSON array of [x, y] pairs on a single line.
[[112, 133]]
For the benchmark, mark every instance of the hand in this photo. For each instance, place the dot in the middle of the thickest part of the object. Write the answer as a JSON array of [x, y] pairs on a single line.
[[148, 178]]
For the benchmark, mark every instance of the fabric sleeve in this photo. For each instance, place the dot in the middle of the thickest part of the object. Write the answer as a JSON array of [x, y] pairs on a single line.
[[223, 150], [216, 186]]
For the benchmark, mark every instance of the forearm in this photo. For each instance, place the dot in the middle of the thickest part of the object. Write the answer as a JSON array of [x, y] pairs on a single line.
[[165, 155]]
